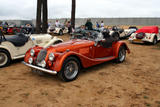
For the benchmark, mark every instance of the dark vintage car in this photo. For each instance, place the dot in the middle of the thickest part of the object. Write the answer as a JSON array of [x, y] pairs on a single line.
[[82, 51]]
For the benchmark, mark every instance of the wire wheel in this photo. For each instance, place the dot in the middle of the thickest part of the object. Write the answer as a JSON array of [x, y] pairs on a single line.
[[71, 69]]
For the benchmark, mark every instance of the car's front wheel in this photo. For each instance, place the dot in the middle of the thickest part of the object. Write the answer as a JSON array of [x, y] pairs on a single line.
[[121, 55], [60, 32], [155, 40], [4, 58], [70, 69]]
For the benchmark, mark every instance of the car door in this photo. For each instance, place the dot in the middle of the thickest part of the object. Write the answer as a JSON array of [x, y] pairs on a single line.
[[102, 52]]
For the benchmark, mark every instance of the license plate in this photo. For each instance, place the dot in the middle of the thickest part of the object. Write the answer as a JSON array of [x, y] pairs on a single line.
[[137, 40]]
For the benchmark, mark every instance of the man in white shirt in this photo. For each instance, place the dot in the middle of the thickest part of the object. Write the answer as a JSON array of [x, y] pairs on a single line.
[[102, 25], [57, 24]]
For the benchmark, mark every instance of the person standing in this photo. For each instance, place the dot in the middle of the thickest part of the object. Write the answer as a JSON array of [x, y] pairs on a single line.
[[97, 25], [102, 24], [89, 25], [69, 27], [57, 24]]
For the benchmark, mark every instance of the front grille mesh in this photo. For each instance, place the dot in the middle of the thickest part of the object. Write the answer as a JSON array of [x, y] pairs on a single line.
[[41, 56]]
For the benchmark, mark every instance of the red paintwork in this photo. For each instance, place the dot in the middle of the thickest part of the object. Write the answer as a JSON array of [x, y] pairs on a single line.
[[84, 50], [11, 30], [148, 29]]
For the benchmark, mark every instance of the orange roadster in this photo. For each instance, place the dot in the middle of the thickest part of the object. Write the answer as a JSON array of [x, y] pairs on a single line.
[[67, 58]]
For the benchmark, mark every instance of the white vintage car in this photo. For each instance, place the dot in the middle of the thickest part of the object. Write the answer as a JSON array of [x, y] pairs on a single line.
[[15, 47], [146, 34], [128, 32], [58, 30]]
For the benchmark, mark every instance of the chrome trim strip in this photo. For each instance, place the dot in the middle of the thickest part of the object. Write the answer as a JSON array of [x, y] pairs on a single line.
[[41, 69]]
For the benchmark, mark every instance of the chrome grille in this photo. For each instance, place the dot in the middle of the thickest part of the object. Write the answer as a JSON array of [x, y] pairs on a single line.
[[41, 55]]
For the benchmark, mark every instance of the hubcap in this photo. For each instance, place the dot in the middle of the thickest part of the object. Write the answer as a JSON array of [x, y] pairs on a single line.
[[71, 70], [122, 55], [3, 59]]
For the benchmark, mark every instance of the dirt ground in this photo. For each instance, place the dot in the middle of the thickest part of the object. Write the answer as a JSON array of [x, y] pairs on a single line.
[[134, 83]]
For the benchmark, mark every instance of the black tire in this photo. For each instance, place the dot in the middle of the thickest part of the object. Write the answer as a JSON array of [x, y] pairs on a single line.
[[60, 32], [154, 41], [62, 74], [121, 55], [5, 58]]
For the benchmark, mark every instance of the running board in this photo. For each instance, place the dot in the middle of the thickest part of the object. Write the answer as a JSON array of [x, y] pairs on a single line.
[[105, 58], [18, 57]]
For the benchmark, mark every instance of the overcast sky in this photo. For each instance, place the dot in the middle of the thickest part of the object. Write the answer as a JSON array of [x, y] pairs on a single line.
[[26, 9]]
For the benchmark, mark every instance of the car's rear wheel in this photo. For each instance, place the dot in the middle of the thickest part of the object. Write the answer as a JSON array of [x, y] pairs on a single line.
[[155, 40], [70, 69], [121, 55], [4, 58]]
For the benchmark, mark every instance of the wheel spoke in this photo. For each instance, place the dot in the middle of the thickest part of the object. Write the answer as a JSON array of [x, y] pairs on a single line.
[[71, 70]]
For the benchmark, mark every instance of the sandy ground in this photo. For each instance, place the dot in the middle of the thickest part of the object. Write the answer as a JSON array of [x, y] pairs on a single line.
[[134, 83]]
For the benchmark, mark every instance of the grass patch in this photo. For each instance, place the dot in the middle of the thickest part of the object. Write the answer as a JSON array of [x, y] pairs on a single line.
[[146, 97], [148, 105]]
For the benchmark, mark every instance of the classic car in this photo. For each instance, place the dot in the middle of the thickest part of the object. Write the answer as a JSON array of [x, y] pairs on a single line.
[[128, 32], [117, 29], [58, 30], [15, 47], [67, 58], [123, 33], [28, 28], [12, 29], [146, 34]]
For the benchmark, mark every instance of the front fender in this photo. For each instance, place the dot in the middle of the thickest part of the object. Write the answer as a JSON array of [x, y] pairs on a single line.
[[61, 58], [84, 60]]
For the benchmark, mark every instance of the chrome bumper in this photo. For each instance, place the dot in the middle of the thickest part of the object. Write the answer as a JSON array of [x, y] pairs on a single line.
[[41, 69]]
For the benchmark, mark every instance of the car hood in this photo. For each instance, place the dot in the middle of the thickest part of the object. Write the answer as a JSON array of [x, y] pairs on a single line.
[[71, 45]]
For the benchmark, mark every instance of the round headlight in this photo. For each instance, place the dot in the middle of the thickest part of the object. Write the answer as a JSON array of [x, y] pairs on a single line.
[[51, 56], [30, 61], [32, 52], [43, 63]]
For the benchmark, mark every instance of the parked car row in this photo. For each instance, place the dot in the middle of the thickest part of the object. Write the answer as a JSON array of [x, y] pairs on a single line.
[[46, 54], [11, 28]]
